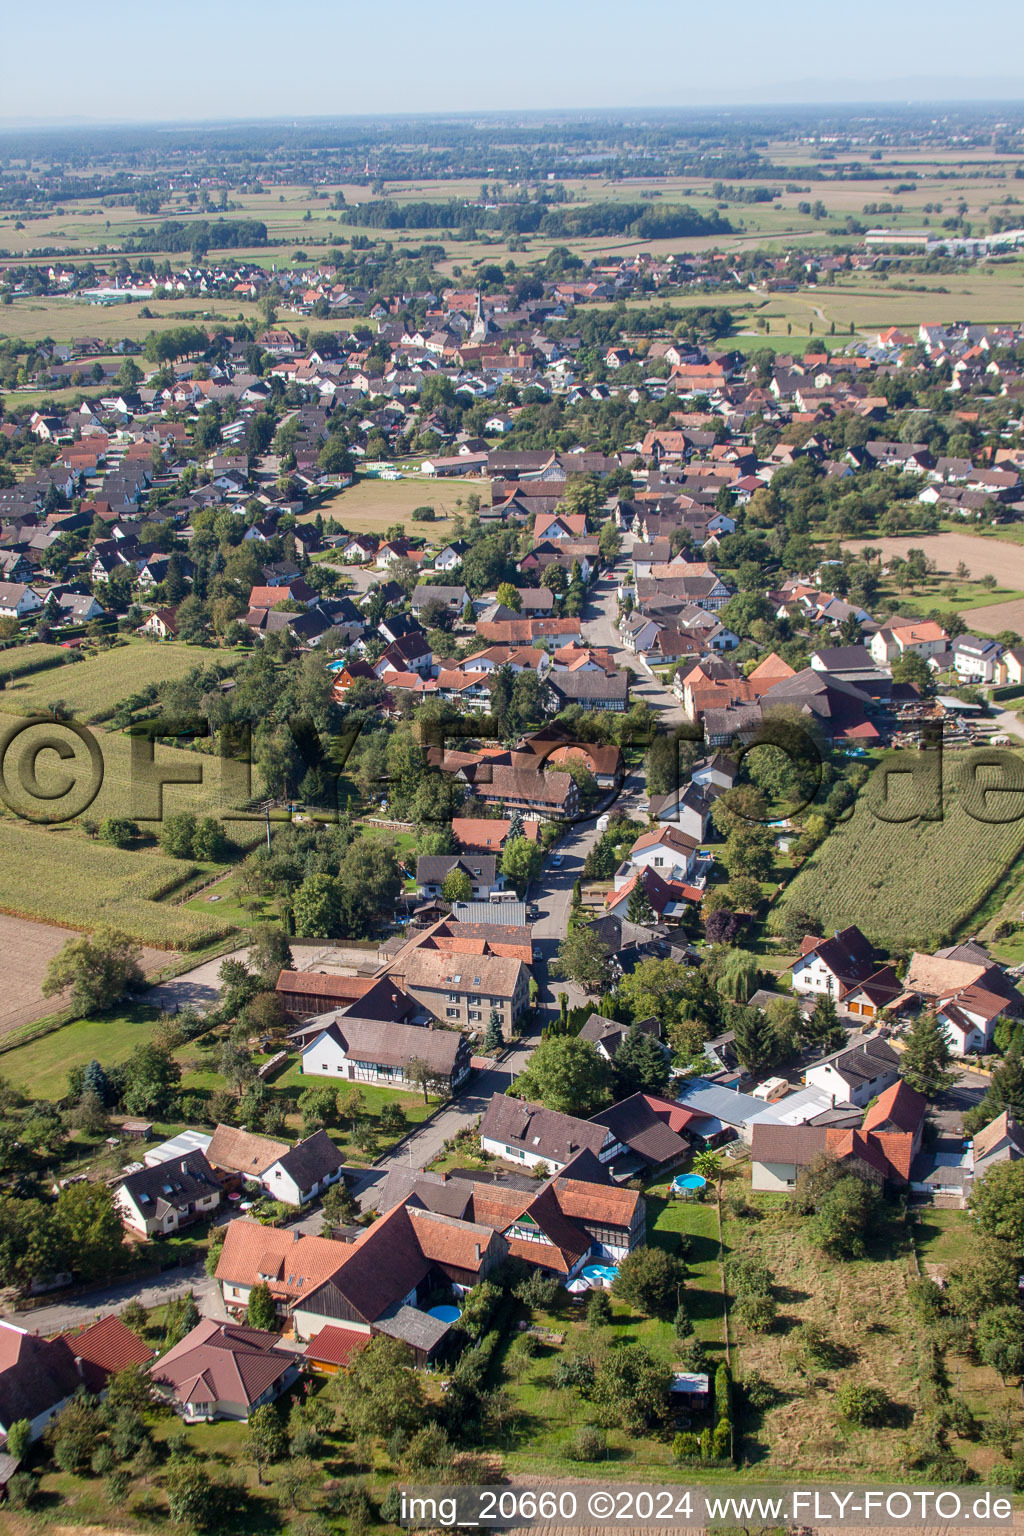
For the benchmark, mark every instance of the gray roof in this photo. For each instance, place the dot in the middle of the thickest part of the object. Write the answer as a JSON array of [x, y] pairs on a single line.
[[589, 685], [725, 1104], [862, 1062], [175, 1182], [542, 1132], [415, 1328], [312, 1159], [488, 913], [432, 868]]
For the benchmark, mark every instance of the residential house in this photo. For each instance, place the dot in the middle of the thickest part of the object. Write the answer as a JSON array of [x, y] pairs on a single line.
[[309, 1169], [882, 1149], [977, 658], [856, 1074], [531, 1135], [357, 1050], [432, 870], [924, 638], [606, 1035], [452, 599], [462, 990], [162, 1199], [17, 600], [224, 1371], [238, 1155]]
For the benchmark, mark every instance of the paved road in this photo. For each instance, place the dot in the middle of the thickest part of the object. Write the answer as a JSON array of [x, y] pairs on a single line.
[[599, 628], [152, 1293]]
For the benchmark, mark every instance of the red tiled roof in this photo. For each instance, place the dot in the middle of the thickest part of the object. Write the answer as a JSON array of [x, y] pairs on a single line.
[[106, 1347], [336, 1346]]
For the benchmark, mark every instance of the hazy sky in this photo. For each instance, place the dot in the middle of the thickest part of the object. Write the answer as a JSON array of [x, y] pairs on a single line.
[[209, 59]]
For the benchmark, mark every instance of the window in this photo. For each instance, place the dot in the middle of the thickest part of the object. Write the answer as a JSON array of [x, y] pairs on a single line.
[[452, 1013]]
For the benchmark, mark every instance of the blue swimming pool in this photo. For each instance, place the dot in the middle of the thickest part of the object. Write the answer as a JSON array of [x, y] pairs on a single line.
[[445, 1314], [689, 1181]]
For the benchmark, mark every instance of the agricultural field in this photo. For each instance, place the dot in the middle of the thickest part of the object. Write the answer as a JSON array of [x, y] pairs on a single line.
[[912, 883], [20, 660], [91, 689], [57, 875], [28, 949], [219, 785]]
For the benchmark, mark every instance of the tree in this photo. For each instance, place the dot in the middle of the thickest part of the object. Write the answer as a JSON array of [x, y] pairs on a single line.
[[566, 1074], [638, 907], [317, 908], [508, 596], [422, 1075], [381, 1392], [187, 1486], [843, 1217], [457, 885], [152, 1078], [631, 1389], [19, 1438], [863, 1404], [641, 1064], [177, 834], [925, 1064], [997, 1204], [1005, 1091], [74, 1433], [584, 957], [522, 861], [260, 1311], [912, 668], [823, 1028], [118, 831], [98, 968], [493, 1037], [756, 1043], [90, 1228], [708, 1164], [1000, 1338], [650, 1278], [265, 1439]]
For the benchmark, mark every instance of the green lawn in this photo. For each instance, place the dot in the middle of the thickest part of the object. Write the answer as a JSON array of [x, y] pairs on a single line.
[[41, 1067]]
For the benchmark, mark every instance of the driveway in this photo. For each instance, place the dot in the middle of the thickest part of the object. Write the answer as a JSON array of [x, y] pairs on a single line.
[[152, 1293], [198, 988]]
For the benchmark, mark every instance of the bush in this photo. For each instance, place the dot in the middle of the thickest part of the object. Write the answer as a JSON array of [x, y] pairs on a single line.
[[599, 1309], [686, 1447], [723, 1392], [759, 1393], [587, 1444], [721, 1440], [864, 1405], [758, 1313]]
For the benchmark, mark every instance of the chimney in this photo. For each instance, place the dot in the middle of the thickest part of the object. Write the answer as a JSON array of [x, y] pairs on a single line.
[[478, 1251]]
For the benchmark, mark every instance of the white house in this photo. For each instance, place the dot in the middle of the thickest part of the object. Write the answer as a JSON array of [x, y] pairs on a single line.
[[164, 1198], [833, 965], [856, 1075], [18, 600], [311, 1167]]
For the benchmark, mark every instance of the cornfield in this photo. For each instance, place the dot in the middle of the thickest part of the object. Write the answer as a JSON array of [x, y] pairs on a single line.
[[903, 884], [56, 875]]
